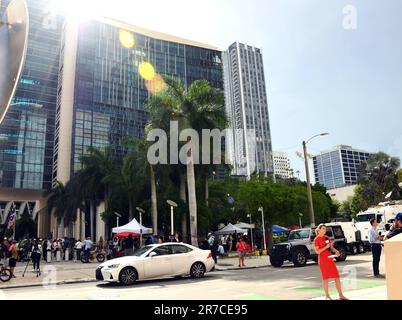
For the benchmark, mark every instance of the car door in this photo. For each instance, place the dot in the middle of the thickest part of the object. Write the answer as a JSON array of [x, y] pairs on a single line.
[[159, 265], [181, 259]]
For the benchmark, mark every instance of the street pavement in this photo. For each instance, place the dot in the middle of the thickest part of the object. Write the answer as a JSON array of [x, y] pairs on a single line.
[[232, 283]]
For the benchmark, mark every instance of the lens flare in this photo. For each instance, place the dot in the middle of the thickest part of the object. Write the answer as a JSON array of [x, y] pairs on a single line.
[[127, 39], [156, 85], [147, 71]]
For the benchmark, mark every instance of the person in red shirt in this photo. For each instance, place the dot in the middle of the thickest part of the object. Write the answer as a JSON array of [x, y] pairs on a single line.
[[241, 249], [323, 246]]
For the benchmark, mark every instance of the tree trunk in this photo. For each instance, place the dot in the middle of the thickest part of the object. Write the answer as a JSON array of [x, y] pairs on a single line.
[[270, 238], [183, 198], [192, 199], [131, 208], [92, 218], [154, 205]]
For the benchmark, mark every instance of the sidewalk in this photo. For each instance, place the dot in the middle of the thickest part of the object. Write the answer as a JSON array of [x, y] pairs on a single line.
[[232, 263], [54, 273], [377, 293], [57, 273]]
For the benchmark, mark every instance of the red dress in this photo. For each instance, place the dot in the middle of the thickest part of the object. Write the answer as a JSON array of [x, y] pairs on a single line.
[[327, 265]]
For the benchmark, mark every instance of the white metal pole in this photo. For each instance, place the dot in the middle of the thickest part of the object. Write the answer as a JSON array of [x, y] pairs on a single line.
[[252, 241], [141, 229], [263, 228], [171, 221], [117, 220]]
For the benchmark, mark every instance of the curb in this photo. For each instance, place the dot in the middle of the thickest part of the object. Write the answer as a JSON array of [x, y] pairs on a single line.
[[244, 268], [61, 282]]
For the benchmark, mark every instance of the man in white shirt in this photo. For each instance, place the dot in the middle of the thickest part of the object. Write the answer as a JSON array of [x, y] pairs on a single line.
[[376, 248]]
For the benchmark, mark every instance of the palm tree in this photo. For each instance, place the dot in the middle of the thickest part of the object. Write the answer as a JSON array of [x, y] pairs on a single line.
[[198, 107]]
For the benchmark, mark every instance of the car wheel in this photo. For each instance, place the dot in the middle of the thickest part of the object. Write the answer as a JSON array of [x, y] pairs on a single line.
[[361, 248], [355, 249], [276, 263], [127, 276], [343, 253], [299, 258], [197, 270], [100, 257]]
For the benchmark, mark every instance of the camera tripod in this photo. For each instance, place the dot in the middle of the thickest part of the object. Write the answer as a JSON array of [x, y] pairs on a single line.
[[26, 267]]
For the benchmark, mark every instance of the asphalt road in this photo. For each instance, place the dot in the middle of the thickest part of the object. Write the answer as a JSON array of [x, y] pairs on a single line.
[[264, 283]]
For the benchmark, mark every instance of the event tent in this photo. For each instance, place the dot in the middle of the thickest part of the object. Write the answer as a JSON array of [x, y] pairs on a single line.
[[132, 227], [230, 229], [243, 225], [279, 229]]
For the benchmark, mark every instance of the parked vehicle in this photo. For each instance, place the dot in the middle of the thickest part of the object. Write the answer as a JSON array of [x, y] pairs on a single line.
[[355, 245], [157, 261], [299, 248], [384, 213]]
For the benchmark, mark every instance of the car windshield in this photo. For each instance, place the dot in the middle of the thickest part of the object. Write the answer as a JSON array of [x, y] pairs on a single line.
[[141, 251], [299, 234], [365, 217]]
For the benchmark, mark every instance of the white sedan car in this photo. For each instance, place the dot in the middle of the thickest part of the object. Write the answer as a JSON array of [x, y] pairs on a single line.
[[157, 261]]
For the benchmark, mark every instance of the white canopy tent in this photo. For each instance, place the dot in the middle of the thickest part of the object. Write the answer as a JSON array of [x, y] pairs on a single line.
[[243, 225], [132, 226], [230, 229]]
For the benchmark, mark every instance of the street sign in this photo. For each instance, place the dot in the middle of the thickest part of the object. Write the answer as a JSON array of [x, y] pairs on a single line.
[[14, 26]]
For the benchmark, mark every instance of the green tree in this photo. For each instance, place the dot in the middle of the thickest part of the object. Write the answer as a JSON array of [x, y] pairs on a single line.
[[359, 201], [378, 177]]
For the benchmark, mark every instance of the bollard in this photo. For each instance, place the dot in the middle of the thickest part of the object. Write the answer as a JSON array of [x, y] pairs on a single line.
[[67, 254], [75, 256], [393, 258], [49, 256], [58, 256]]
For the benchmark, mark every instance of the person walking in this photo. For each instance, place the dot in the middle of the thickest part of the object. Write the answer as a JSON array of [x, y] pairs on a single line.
[[78, 249], [35, 255], [323, 246], [376, 248], [13, 253], [49, 251], [241, 250], [4, 253], [229, 242]]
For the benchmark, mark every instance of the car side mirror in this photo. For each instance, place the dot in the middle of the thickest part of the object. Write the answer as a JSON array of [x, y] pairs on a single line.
[[152, 254]]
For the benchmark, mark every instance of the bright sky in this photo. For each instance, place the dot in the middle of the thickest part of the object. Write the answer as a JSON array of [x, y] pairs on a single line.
[[320, 76]]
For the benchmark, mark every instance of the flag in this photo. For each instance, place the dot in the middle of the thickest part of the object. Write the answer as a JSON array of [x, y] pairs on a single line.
[[11, 216]]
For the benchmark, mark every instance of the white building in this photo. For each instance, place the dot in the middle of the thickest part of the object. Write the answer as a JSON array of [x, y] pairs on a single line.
[[282, 165], [249, 144]]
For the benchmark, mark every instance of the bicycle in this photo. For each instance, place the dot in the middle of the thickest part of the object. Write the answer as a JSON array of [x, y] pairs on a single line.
[[5, 273]]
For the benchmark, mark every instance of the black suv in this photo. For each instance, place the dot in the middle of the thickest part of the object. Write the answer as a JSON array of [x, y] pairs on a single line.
[[300, 247]]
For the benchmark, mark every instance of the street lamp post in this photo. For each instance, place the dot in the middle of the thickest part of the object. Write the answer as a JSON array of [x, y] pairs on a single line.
[[172, 205], [300, 222], [141, 211], [264, 252], [117, 217], [251, 231], [309, 194]]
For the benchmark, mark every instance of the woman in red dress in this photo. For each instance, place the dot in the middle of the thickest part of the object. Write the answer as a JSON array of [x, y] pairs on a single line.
[[323, 246]]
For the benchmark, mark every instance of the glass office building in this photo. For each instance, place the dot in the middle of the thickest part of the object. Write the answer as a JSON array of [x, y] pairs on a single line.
[[338, 167], [108, 70], [27, 132]]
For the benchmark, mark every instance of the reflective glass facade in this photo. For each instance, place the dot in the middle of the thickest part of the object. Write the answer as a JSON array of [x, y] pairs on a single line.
[[27, 132], [338, 168], [110, 93]]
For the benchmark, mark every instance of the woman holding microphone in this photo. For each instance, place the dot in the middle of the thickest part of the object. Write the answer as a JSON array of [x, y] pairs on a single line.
[[323, 247]]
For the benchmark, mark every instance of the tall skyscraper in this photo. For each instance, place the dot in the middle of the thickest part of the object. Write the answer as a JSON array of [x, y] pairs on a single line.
[[282, 165], [337, 167], [249, 144]]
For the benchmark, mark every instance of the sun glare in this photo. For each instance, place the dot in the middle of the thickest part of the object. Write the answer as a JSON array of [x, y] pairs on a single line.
[[78, 9]]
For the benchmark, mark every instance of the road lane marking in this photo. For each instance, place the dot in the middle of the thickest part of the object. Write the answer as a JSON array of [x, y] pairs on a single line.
[[310, 278]]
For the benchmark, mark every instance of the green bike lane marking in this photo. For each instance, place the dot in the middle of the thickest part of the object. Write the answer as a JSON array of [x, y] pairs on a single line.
[[357, 284]]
